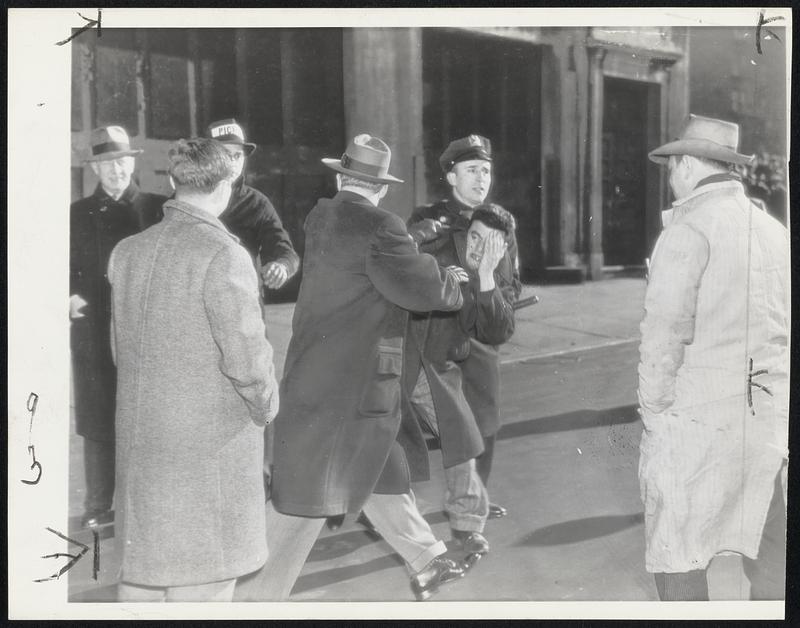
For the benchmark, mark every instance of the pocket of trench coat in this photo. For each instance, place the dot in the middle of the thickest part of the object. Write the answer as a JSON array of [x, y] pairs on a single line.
[[382, 393]]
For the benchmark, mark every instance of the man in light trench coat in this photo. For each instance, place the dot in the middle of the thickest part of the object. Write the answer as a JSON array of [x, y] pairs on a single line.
[[713, 374], [196, 386]]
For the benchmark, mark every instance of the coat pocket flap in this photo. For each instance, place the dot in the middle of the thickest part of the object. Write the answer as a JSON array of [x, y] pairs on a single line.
[[390, 363]]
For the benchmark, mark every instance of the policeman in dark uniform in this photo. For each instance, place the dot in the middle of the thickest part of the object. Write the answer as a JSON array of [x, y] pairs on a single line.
[[467, 165], [250, 215], [116, 210], [252, 218]]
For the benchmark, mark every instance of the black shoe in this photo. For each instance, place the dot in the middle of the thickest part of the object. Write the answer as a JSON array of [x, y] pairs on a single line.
[[495, 511], [471, 542], [436, 573], [97, 518], [364, 521], [335, 522]]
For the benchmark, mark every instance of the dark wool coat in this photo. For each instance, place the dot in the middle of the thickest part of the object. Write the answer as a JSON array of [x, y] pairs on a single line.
[[447, 343], [251, 217], [196, 385], [481, 368], [340, 410], [97, 224]]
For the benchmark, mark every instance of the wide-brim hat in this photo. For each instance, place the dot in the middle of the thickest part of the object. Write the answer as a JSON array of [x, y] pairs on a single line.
[[110, 142], [229, 131], [366, 158], [465, 149], [704, 137]]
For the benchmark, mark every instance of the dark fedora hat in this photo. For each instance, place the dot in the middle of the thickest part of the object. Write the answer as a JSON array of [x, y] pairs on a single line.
[[366, 158], [110, 142], [229, 131], [466, 148], [704, 137]]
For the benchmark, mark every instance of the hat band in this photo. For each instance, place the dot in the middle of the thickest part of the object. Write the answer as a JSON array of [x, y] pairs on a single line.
[[110, 147], [364, 168], [230, 138]]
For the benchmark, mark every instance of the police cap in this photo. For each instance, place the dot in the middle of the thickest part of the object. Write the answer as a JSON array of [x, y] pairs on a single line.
[[470, 147]]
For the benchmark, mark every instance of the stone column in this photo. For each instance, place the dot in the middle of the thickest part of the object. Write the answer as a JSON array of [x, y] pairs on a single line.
[[594, 206], [383, 97]]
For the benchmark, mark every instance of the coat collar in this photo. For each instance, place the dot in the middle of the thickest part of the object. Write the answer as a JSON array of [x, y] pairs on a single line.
[[127, 196], [346, 196], [181, 210], [683, 206]]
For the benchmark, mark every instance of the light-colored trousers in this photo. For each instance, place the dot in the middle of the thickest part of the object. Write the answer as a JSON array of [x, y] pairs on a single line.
[[209, 592], [466, 500], [290, 539]]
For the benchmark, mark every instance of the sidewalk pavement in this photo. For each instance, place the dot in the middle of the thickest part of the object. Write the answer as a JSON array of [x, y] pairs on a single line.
[[567, 318]]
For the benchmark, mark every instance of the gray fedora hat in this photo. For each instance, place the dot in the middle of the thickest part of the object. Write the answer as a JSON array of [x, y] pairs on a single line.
[[366, 158], [110, 142], [704, 137]]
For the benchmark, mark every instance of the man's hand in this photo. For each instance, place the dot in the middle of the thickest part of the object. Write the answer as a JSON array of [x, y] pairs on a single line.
[[458, 273], [427, 230], [274, 275], [494, 249], [76, 305]]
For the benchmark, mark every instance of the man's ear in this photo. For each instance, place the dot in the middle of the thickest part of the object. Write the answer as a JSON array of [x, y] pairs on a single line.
[[171, 181], [383, 191], [95, 167], [451, 178], [338, 182]]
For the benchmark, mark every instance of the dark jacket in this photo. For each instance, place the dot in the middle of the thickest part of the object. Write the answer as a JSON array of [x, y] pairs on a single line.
[[459, 355], [251, 217], [97, 224], [340, 394]]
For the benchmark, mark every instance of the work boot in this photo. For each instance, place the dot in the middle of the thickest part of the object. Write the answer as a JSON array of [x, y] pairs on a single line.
[[436, 573], [471, 542], [97, 518]]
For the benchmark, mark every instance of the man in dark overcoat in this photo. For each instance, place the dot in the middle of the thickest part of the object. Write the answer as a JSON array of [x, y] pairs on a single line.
[[439, 343], [467, 166], [335, 436], [116, 210]]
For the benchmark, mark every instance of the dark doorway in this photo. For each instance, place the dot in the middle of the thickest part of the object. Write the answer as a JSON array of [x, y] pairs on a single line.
[[490, 86], [630, 112]]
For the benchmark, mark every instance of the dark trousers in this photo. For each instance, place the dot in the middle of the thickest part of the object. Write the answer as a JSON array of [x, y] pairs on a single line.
[[767, 572], [483, 463], [98, 458]]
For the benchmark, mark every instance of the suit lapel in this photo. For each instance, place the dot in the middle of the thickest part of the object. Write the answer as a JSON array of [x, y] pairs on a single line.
[[460, 241]]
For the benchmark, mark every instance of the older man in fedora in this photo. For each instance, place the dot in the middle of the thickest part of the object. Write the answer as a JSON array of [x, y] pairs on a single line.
[[335, 435], [713, 374], [116, 209]]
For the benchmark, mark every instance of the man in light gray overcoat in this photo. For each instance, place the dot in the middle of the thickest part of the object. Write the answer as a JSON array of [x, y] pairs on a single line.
[[196, 386], [714, 374]]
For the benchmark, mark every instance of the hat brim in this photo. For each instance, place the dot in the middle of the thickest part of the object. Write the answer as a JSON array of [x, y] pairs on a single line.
[[114, 155], [336, 164], [249, 147], [698, 148]]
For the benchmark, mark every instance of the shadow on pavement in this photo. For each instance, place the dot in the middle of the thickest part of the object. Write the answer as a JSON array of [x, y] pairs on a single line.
[[580, 530], [576, 420], [328, 577]]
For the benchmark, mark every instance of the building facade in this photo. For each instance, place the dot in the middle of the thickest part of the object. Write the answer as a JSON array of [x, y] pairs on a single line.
[[571, 113]]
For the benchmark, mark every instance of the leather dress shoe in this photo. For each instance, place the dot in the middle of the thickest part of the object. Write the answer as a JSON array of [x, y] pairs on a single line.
[[335, 522], [97, 518], [495, 511], [471, 542], [436, 573]]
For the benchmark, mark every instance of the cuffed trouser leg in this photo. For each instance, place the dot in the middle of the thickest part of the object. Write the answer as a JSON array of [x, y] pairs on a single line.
[[399, 522], [208, 592], [683, 586], [98, 458], [767, 573], [289, 541], [466, 501]]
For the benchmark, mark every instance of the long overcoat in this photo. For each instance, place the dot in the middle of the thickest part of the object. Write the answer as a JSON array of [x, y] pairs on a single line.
[[445, 343], [340, 411], [713, 378], [196, 386], [97, 224]]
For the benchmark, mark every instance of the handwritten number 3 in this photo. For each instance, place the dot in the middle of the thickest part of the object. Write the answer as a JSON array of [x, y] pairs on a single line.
[[34, 465]]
